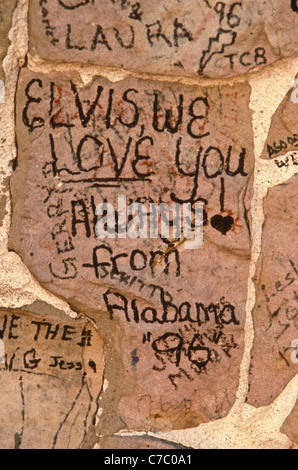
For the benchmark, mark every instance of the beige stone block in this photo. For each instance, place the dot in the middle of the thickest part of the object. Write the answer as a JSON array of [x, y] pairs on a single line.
[[275, 313], [135, 442], [189, 37], [172, 317], [283, 133], [51, 374], [290, 426]]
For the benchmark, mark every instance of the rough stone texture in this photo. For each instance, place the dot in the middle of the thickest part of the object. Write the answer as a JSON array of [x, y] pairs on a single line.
[[188, 38], [283, 134], [3, 199], [275, 313], [51, 377], [290, 426], [6, 10], [172, 317], [117, 442]]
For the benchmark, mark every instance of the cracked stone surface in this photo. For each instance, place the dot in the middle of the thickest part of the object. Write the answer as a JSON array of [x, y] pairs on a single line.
[[274, 360], [172, 317], [51, 368], [6, 10], [188, 38], [283, 133]]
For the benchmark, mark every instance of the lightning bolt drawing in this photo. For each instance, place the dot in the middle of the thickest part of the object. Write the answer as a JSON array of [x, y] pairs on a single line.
[[216, 45]]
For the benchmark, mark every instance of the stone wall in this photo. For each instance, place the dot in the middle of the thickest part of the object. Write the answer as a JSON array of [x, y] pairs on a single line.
[[129, 341]]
